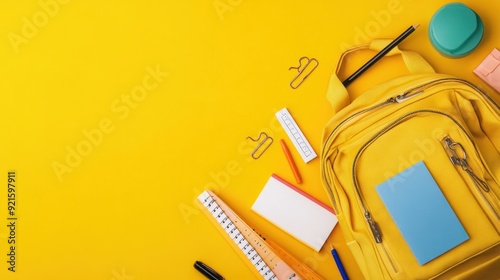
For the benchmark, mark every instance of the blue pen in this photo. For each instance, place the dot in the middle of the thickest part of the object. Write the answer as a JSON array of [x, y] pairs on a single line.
[[339, 264]]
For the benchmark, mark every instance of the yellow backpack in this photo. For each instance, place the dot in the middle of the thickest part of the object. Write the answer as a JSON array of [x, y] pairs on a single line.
[[389, 128]]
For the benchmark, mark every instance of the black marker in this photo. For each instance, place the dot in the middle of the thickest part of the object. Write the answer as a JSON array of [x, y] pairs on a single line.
[[207, 271], [379, 55]]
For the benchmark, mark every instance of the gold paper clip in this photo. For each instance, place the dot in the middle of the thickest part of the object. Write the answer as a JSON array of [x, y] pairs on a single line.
[[300, 70], [256, 155]]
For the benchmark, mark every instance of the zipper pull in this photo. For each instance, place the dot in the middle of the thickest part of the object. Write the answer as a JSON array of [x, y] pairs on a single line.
[[407, 95], [456, 152], [458, 157], [377, 234]]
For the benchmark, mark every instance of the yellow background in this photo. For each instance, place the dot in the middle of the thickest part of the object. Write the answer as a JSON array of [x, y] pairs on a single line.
[[122, 208]]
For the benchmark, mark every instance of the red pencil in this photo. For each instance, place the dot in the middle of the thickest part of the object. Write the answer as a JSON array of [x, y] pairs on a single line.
[[291, 162]]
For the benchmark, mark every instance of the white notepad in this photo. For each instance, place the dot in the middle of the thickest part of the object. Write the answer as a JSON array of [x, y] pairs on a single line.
[[295, 212]]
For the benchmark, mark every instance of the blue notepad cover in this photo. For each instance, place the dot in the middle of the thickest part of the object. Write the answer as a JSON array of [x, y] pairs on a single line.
[[421, 212]]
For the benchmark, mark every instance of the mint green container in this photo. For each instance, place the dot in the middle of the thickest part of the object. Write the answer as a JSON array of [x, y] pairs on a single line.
[[455, 30]]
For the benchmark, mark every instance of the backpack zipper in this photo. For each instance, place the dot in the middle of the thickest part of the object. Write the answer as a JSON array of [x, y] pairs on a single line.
[[413, 92], [458, 157], [376, 231], [344, 122]]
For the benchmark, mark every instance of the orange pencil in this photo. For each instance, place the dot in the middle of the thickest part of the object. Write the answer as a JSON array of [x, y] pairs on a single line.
[[291, 162]]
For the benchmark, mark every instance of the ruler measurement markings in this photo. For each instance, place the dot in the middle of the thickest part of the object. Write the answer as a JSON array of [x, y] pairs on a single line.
[[296, 135], [257, 251]]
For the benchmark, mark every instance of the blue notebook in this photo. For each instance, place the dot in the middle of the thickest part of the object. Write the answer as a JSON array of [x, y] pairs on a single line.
[[422, 213]]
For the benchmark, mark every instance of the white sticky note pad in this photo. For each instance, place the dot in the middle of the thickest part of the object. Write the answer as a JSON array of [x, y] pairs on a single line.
[[295, 212]]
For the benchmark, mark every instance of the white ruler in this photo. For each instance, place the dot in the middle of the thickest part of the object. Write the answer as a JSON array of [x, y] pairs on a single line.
[[295, 134]]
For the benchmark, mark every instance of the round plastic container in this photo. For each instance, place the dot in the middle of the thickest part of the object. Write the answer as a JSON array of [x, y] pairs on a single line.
[[455, 30]]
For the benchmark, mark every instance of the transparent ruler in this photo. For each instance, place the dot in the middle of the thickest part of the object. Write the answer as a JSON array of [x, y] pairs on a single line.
[[264, 260], [295, 134]]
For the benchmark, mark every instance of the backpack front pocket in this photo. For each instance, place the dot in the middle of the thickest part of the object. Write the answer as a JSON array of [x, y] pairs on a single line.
[[418, 136]]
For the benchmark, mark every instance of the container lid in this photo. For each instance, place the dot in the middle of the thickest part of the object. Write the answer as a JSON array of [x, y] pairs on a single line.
[[455, 30]]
